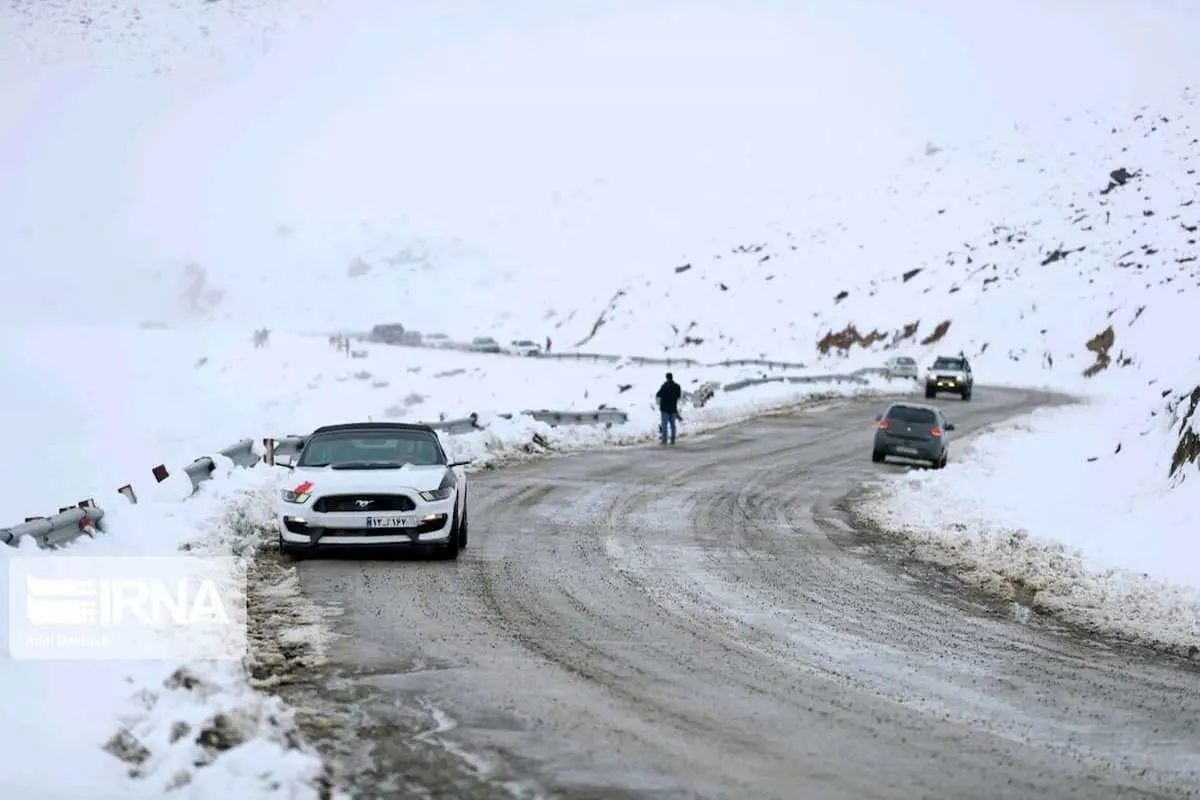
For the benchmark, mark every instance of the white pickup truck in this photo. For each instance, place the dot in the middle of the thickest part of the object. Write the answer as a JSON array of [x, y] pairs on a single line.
[[950, 374]]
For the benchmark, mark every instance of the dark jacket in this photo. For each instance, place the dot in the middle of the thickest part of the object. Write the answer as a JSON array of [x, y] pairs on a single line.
[[668, 397]]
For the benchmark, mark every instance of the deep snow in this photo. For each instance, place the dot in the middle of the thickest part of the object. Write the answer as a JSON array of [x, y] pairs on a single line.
[[676, 183], [115, 729]]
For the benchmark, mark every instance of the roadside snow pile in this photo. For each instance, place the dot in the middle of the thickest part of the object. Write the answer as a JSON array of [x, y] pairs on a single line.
[[1068, 511], [146, 728]]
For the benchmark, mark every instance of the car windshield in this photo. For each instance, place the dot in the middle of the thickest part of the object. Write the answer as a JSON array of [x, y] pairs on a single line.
[[921, 416], [948, 363], [366, 449], [905, 360]]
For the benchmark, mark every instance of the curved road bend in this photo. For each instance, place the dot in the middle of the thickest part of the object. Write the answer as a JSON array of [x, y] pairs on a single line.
[[701, 622]]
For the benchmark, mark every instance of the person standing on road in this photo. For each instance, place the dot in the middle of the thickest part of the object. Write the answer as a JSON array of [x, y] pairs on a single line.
[[668, 406]]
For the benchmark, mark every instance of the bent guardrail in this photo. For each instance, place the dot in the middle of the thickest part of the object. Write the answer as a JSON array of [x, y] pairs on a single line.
[[51, 532], [86, 519], [601, 416]]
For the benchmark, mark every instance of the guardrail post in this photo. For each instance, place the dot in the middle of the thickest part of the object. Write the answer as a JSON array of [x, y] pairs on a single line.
[[127, 492], [160, 473], [269, 448]]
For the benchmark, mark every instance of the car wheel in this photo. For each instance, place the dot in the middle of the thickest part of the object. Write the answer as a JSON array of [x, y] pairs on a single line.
[[930, 393], [450, 550], [463, 530], [966, 396], [940, 463], [878, 457], [289, 552]]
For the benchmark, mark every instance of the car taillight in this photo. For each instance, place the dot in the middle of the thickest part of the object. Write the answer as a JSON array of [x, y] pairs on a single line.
[[883, 425], [935, 431]]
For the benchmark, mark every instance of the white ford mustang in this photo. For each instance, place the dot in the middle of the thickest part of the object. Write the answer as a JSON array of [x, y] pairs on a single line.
[[373, 485]]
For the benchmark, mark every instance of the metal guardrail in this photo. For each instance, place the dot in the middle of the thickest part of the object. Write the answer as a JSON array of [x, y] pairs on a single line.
[[576, 355], [601, 416], [86, 519], [51, 532], [858, 376]]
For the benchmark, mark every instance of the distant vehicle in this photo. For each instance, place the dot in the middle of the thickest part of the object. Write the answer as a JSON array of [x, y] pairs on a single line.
[[524, 347], [914, 431], [373, 485], [437, 340], [902, 367], [950, 374], [394, 333], [485, 344]]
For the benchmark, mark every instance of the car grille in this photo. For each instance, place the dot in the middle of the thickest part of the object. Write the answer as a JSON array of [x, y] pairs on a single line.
[[952, 378], [424, 527], [350, 503]]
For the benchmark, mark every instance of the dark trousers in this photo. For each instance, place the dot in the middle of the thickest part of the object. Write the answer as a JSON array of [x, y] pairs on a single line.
[[667, 424]]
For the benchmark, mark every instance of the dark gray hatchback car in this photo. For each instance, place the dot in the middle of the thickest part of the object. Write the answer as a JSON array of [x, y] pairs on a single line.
[[912, 430]]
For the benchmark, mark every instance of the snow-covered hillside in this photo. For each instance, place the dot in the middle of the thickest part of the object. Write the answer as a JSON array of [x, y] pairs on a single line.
[[1099, 230]]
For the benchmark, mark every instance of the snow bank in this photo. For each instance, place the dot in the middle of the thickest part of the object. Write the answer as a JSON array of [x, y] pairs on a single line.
[[1067, 511], [143, 728]]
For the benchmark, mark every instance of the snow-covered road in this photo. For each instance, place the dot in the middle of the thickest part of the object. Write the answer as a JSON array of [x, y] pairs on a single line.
[[702, 621]]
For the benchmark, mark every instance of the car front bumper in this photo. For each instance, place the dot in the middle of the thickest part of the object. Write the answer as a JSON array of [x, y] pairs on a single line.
[[945, 384], [429, 524]]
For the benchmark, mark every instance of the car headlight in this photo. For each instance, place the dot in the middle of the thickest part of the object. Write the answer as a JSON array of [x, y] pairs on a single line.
[[293, 496], [441, 493]]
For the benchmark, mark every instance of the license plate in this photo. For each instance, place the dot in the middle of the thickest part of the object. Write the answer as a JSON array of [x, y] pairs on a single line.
[[390, 522], [906, 451]]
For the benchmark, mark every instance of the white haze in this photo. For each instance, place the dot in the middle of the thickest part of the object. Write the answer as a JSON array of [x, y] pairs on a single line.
[[258, 140]]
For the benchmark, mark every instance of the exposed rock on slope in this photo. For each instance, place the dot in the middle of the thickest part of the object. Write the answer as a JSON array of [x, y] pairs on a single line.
[[1187, 428]]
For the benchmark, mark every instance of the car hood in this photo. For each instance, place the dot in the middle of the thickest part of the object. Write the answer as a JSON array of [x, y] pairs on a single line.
[[324, 479]]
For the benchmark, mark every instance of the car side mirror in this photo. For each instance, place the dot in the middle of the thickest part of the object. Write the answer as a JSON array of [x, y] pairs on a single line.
[[879, 417], [949, 426]]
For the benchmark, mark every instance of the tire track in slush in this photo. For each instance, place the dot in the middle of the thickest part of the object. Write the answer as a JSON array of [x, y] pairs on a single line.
[[653, 622]]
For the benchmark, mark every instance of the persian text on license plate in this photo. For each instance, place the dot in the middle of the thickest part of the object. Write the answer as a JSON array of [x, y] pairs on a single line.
[[906, 451], [390, 522]]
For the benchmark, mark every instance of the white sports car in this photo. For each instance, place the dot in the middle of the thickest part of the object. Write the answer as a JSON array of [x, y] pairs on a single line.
[[373, 485]]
